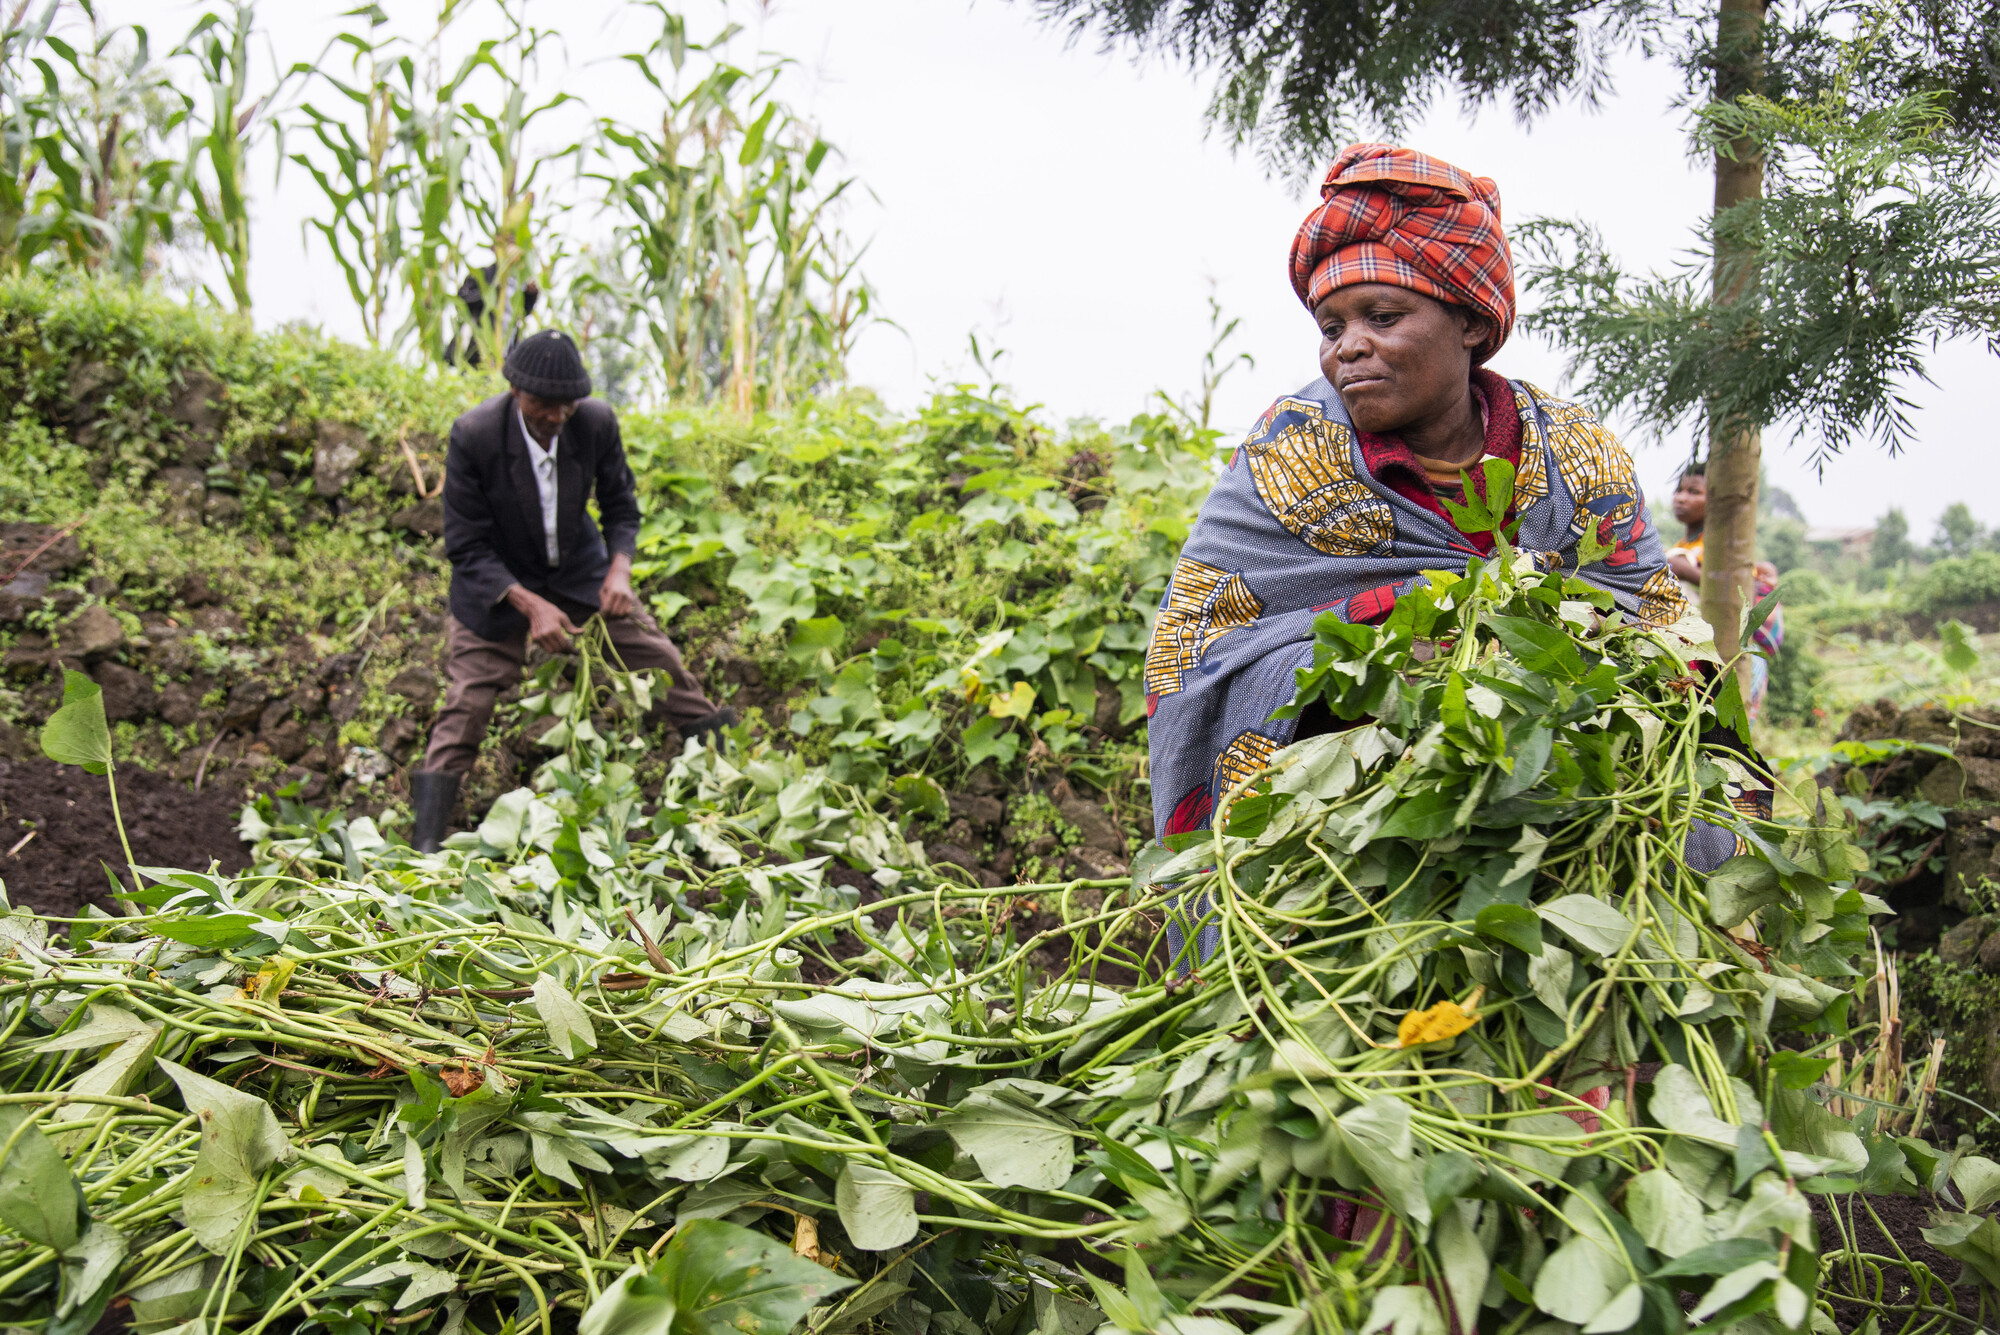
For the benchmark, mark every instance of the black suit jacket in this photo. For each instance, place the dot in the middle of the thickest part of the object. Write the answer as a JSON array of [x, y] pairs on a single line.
[[493, 513]]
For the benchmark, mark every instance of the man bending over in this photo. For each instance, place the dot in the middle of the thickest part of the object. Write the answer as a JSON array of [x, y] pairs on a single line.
[[529, 563]]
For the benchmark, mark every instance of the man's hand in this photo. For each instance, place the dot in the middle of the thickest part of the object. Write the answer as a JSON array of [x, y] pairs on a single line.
[[548, 626], [615, 597]]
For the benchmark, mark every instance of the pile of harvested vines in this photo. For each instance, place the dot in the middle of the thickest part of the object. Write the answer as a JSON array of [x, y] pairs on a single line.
[[1469, 1046]]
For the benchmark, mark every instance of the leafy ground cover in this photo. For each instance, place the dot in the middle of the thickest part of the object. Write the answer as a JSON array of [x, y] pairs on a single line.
[[1474, 1040], [251, 571], [871, 993]]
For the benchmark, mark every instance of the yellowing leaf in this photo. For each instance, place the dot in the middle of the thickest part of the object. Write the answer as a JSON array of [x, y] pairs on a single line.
[[1445, 1020], [1017, 703], [270, 980]]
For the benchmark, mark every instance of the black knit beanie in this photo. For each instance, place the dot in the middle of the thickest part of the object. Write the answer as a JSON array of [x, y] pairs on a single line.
[[547, 365]]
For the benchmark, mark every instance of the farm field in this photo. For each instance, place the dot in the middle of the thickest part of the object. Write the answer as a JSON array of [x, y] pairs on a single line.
[[1068, 874], [872, 991]]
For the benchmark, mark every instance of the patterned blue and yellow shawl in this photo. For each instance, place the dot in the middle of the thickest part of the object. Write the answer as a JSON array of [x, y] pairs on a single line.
[[1312, 516]]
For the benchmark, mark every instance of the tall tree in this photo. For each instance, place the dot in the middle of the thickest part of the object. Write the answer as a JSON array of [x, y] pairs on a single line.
[[1296, 77]]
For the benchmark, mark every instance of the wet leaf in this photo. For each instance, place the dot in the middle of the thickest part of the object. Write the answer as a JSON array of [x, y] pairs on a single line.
[[877, 1208], [570, 1030], [714, 1278], [38, 1196], [1590, 922], [1014, 1144], [77, 734], [240, 1138]]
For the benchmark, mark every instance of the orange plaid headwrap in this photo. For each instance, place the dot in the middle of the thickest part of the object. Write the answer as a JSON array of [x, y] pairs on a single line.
[[1394, 215]]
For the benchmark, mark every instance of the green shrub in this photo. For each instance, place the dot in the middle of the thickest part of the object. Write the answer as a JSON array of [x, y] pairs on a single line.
[[1938, 998], [1792, 695], [1958, 581], [1804, 587]]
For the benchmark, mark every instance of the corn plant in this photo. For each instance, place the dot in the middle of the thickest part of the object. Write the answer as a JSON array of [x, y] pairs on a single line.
[[499, 196], [87, 173], [219, 195], [365, 176], [724, 216]]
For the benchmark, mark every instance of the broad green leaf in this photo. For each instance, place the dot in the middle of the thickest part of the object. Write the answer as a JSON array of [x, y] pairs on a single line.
[[570, 1030], [1734, 1285], [1590, 922], [877, 1208], [1815, 1140], [811, 638], [1378, 1136], [1971, 1239], [917, 794], [1667, 1215], [1166, 1212], [698, 1159], [425, 1281], [1430, 813], [986, 739], [207, 929], [89, 1265], [502, 827], [714, 1278], [1540, 648], [1738, 888], [240, 1138], [1466, 1267], [1681, 1105], [38, 1196], [1718, 1258], [1795, 1071], [1511, 923], [103, 1026], [1327, 766], [1961, 646], [1620, 1313], [1582, 1276], [1549, 975], [1404, 1309], [77, 734], [1978, 1180], [111, 1076], [1014, 1144]]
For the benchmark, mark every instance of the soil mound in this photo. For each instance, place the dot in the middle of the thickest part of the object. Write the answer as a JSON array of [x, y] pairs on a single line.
[[68, 813]]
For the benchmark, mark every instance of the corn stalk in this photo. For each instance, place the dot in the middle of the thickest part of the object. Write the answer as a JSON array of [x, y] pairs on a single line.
[[88, 178], [220, 195]]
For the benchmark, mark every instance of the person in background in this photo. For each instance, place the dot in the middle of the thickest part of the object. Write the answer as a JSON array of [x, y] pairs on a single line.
[[528, 563], [1691, 509], [1767, 639], [472, 292], [1684, 559]]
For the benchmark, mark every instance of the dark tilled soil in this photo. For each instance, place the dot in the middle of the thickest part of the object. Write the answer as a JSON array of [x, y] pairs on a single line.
[[58, 871], [1906, 1218]]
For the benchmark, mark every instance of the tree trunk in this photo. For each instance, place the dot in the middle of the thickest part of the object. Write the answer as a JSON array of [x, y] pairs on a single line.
[[1729, 536]]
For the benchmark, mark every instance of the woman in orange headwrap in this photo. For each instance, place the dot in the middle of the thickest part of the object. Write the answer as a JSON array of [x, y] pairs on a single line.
[[1344, 493]]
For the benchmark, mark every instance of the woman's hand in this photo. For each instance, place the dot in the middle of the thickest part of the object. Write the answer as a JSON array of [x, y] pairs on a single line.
[[1684, 566]]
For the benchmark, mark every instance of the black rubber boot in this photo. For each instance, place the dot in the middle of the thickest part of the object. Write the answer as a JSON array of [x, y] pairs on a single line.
[[433, 793], [698, 729]]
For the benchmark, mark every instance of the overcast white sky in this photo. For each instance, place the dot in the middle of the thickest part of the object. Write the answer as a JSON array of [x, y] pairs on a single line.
[[1069, 207]]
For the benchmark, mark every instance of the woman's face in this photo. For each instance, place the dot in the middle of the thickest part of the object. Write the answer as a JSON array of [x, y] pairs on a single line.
[[1396, 356], [1691, 499]]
